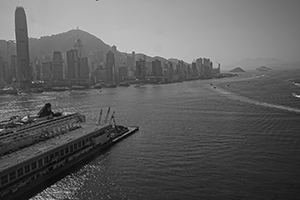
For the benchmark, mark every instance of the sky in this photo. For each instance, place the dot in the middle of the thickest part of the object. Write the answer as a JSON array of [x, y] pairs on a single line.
[[225, 31]]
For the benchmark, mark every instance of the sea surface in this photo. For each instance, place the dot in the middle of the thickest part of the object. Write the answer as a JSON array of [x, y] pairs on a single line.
[[232, 138]]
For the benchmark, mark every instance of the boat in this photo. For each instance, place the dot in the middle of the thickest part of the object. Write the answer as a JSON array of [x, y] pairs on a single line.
[[296, 95], [111, 85], [140, 86], [36, 150], [124, 84], [97, 86], [9, 90], [58, 89], [37, 90], [77, 87], [296, 84]]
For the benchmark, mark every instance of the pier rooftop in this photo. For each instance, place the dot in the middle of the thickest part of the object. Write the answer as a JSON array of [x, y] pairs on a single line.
[[26, 153]]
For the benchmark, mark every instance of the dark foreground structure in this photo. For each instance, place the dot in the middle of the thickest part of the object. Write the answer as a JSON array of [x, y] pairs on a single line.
[[36, 150]]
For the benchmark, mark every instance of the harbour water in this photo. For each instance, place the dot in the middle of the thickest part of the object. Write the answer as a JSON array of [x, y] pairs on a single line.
[[204, 139]]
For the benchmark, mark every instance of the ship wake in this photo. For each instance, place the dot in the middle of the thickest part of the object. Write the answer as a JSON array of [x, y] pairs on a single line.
[[244, 99]]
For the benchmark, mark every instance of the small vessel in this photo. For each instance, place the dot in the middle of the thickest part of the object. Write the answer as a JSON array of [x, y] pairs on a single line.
[[111, 85], [58, 89], [140, 86], [296, 95], [77, 87], [97, 86], [37, 90], [124, 84], [297, 84], [37, 150], [9, 90]]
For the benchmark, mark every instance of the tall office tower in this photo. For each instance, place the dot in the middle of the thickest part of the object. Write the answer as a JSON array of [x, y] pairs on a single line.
[[101, 75], [79, 47], [118, 58], [188, 72], [72, 64], [194, 69], [1, 72], [47, 71], [133, 60], [13, 66], [57, 65], [180, 69], [141, 69], [123, 73], [92, 62], [37, 71], [7, 48], [129, 62], [199, 64], [157, 68], [3, 49], [24, 70], [110, 65], [84, 68], [114, 49]]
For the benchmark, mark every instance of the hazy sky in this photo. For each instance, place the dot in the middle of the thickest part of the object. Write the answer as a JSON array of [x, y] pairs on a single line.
[[224, 30]]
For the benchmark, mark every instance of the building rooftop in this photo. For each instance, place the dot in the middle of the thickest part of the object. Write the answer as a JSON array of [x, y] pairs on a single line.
[[9, 160]]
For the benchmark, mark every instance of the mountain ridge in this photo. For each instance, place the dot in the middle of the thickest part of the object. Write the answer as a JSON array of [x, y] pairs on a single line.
[[65, 41]]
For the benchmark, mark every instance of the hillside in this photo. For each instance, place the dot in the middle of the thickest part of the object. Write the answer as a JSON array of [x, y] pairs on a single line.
[[253, 63], [263, 68], [65, 41], [237, 69]]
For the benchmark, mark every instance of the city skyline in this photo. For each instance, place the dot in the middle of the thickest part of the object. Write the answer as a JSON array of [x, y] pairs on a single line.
[[225, 31]]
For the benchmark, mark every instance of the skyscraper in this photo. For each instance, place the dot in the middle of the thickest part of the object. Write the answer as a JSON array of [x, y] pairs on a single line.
[[141, 69], [1, 72], [110, 65], [72, 64], [79, 47], [199, 64], [57, 66], [133, 57], [13, 66], [47, 71], [83, 68], [123, 73], [157, 68], [24, 70]]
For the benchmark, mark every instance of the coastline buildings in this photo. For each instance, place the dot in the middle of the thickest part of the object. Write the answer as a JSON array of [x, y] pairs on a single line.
[[73, 67], [24, 69]]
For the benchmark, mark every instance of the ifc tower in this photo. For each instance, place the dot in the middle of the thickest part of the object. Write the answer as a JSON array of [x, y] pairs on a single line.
[[23, 69]]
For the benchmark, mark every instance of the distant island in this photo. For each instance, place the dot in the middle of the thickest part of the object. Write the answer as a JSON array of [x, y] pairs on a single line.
[[263, 68], [237, 69]]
